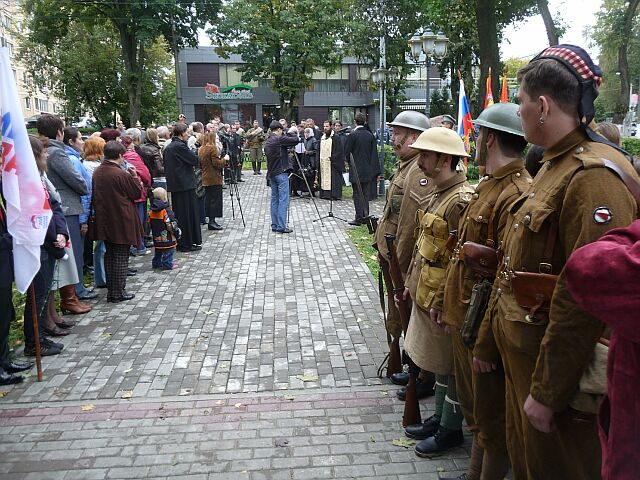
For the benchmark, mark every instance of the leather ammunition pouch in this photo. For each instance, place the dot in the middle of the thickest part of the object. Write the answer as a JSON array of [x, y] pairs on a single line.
[[533, 291], [475, 313], [482, 260]]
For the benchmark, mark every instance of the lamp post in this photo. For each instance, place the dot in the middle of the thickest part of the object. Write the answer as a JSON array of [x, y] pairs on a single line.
[[434, 48], [383, 77]]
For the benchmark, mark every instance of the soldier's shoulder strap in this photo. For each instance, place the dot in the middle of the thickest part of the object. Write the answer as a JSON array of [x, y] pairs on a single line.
[[458, 195]]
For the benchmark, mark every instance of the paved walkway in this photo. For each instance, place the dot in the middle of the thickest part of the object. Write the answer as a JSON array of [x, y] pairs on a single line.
[[255, 360]]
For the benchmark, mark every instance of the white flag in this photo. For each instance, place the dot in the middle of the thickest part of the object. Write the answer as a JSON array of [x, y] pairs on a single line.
[[27, 203]]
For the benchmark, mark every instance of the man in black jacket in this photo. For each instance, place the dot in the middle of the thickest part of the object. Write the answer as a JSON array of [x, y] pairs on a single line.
[[361, 144], [275, 149], [179, 164]]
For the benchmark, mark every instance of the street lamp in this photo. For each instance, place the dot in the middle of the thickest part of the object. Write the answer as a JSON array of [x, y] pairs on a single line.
[[434, 48], [383, 77]]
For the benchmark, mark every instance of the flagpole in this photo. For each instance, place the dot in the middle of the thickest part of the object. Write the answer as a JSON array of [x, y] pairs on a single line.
[[36, 331]]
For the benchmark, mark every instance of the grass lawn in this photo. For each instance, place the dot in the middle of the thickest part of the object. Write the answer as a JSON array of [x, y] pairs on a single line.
[[363, 240]]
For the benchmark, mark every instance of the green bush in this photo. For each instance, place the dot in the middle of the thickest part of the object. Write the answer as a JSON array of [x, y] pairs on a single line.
[[631, 145], [390, 161], [473, 172]]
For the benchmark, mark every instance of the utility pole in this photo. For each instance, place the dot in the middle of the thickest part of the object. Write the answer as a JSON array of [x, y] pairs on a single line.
[[174, 47]]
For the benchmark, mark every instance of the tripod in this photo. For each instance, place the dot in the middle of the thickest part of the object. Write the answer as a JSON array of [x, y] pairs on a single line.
[[233, 192], [330, 212], [304, 177]]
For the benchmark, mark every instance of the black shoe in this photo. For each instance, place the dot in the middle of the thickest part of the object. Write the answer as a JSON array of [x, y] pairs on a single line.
[[131, 272], [355, 223], [286, 230], [443, 440], [101, 286], [185, 249], [9, 378], [401, 378], [423, 390], [122, 298], [88, 296], [214, 226], [240, 180], [15, 366], [67, 323], [56, 331], [131, 269], [197, 248], [47, 349], [423, 430], [48, 341]]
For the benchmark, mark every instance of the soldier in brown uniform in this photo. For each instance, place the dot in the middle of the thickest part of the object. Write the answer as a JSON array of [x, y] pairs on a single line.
[[427, 342], [544, 340], [398, 218], [500, 146]]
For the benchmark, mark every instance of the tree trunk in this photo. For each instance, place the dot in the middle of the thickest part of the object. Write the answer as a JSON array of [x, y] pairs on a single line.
[[552, 34], [489, 49], [622, 104], [133, 55]]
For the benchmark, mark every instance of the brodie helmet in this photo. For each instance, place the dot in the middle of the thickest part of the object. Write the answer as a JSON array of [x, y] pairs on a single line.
[[441, 140], [502, 117], [412, 120]]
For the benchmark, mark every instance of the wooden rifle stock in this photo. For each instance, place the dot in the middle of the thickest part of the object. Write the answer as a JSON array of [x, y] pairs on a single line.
[[411, 414], [395, 361]]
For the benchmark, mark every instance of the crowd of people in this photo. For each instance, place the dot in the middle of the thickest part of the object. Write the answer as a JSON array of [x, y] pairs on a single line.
[[515, 291]]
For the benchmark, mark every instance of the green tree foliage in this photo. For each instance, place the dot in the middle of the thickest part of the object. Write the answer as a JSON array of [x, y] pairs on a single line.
[[137, 22], [85, 71], [397, 21], [442, 103], [617, 33], [284, 41]]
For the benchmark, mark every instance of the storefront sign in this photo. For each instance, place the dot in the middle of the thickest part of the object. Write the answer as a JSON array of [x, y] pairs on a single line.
[[236, 92]]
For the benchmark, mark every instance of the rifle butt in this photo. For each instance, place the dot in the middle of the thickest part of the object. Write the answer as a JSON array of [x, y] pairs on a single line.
[[395, 362], [411, 415]]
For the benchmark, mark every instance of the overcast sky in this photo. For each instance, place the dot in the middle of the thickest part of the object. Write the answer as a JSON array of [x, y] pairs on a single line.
[[526, 39]]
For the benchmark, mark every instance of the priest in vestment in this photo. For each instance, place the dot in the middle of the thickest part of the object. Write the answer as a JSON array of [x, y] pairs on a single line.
[[331, 164]]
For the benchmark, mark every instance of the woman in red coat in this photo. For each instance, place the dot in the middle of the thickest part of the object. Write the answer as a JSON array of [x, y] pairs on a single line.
[[603, 279], [116, 220]]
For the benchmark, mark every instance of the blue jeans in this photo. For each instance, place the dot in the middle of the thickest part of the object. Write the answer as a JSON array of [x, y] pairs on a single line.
[[141, 207], [99, 276], [279, 201], [163, 258]]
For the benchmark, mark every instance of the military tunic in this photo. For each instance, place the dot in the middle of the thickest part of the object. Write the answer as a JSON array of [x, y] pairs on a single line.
[[428, 345], [408, 192], [546, 354], [493, 195]]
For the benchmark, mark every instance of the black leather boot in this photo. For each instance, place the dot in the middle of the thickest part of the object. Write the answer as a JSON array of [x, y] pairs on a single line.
[[423, 430], [443, 440]]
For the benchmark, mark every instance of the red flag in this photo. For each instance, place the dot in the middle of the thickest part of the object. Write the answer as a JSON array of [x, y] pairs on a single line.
[[488, 101], [504, 94], [28, 211]]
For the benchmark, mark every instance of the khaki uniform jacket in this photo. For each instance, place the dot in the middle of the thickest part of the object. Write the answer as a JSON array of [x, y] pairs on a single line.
[[586, 200], [408, 192], [493, 195]]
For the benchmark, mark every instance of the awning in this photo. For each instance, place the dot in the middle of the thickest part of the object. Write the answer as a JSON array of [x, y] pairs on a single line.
[[412, 106]]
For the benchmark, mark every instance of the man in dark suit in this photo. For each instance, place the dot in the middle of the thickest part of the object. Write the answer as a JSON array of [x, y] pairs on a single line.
[[364, 167]]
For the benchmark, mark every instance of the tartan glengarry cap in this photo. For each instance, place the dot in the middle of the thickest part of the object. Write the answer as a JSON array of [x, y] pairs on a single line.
[[576, 59]]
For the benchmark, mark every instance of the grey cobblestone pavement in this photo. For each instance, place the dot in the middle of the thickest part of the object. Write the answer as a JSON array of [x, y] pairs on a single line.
[[256, 359]]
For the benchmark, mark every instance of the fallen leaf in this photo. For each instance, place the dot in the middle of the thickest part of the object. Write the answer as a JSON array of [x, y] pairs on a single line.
[[440, 469], [372, 439], [238, 405], [289, 397], [3, 394], [220, 402], [106, 334], [348, 354], [209, 312], [127, 395], [128, 370], [403, 442], [307, 378], [185, 391], [384, 392], [86, 408]]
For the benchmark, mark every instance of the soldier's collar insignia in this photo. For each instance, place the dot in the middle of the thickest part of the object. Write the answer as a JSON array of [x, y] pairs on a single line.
[[423, 182], [602, 215]]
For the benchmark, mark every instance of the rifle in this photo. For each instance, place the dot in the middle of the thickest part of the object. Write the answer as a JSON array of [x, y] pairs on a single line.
[[395, 363], [411, 414]]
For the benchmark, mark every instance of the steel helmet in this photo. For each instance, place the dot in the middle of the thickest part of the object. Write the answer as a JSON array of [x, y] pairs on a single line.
[[502, 117], [448, 119], [412, 120], [441, 140]]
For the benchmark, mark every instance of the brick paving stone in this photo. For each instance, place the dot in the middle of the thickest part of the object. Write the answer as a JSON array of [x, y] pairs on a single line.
[[255, 360]]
